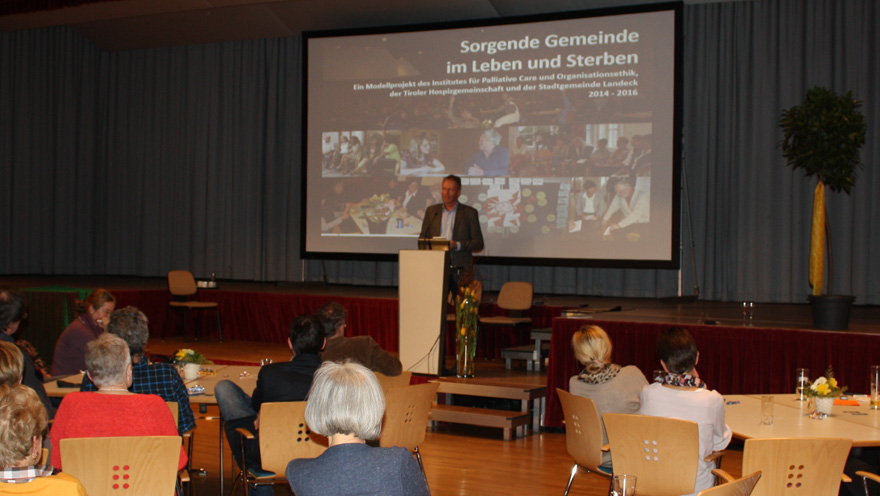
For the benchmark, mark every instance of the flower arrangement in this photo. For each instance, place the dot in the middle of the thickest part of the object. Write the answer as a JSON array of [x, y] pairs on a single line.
[[186, 355], [826, 386], [467, 319]]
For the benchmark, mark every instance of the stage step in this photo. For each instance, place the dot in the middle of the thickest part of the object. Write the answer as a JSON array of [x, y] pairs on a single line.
[[532, 398], [506, 419], [534, 355]]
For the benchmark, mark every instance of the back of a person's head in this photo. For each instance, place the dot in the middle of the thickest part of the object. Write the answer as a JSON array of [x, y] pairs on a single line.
[[22, 417], [592, 347], [12, 307], [132, 326], [345, 398], [677, 349], [107, 359], [332, 315], [11, 363], [306, 335]]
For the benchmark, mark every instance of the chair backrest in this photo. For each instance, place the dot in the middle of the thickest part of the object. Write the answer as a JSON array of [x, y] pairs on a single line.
[[515, 295], [285, 436], [392, 381], [181, 283], [406, 415], [583, 429], [175, 411], [813, 464], [134, 466], [662, 452], [739, 487]]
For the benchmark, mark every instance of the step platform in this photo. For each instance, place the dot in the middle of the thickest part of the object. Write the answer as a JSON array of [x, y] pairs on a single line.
[[533, 355]]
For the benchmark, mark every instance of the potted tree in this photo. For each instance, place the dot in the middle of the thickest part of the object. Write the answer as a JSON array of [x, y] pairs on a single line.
[[823, 136]]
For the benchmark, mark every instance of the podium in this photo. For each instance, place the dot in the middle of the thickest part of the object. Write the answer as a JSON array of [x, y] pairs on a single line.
[[422, 310]]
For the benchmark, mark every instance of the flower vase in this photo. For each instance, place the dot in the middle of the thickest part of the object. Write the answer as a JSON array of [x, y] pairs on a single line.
[[191, 371], [823, 406], [466, 344]]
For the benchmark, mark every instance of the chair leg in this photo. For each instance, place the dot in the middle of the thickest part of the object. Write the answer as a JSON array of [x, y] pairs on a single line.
[[419, 459], [219, 326], [574, 470]]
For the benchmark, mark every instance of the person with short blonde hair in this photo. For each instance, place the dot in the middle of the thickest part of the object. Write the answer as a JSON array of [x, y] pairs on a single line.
[[346, 404], [614, 389], [113, 410], [11, 364], [23, 421]]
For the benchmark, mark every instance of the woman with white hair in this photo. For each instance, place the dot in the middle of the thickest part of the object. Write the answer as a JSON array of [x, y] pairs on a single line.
[[113, 410], [23, 421], [346, 404], [613, 388]]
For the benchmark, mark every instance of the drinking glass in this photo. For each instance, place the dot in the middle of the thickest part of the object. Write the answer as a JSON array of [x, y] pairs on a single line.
[[748, 312], [802, 382], [623, 485], [657, 376], [767, 410], [874, 391]]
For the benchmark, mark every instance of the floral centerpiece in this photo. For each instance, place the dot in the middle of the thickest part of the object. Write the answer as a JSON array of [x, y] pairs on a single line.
[[186, 355], [467, 319], [823, 391]]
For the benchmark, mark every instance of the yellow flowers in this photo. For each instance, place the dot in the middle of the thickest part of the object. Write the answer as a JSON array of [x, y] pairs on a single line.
[[463, 331], [826, 386]]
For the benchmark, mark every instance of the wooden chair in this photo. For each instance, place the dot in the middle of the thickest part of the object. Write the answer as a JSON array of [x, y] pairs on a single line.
[[812, 465], [583, 435], [662, 452], [182, 285], [284, 436], [406, 417], [865, 477], [134, 466], [187, 440], [739, 487], [393, 381], [514, 298]]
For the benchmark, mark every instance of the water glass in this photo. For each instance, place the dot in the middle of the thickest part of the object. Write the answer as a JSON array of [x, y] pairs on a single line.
[[802, 382], [623, 485], [874, 391], [748, 312], [767, 410]]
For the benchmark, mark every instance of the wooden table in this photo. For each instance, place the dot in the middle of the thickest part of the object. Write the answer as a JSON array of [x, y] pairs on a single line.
[[791, 418], [245, 376]]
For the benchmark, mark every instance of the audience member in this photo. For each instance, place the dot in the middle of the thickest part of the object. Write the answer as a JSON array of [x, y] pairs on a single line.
[[682, 395], [361, 349], [113, 410], [491, 159], [420, 160], [631, 206], [11, 364], [160, 379], [286, 381], [12, 312], [614, 389], [70, 349], [346, 404], [23, 422]]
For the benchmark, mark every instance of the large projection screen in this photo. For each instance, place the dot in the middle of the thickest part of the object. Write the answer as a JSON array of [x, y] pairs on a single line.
[[564, 131]]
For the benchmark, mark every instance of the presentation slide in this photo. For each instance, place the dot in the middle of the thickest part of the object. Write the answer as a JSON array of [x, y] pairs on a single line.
[[563, 132]]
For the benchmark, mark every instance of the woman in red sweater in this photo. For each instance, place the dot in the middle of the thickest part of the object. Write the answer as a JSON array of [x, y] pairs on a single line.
[[112, 410]]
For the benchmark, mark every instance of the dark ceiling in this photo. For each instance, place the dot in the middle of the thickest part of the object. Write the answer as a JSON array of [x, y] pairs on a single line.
[[134, 24]]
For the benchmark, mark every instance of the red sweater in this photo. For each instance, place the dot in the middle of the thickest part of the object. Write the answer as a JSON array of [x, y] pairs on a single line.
[[111, 415]]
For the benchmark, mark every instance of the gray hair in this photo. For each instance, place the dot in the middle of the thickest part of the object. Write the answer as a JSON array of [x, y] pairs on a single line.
[[131, 325], [107, 360], [345, 399], [493, 135]]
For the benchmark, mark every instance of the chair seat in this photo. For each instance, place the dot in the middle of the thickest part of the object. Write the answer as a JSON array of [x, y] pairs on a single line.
[[193, 304], [261, 474], [508, 321]]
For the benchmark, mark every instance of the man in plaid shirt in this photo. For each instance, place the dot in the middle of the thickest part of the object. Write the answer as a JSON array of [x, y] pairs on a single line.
[[161, 379]]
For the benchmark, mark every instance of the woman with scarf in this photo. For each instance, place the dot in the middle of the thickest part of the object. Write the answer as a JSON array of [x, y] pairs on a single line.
[[614, 389]]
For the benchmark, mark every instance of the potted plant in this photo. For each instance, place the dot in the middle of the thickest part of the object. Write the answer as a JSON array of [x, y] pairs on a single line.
[[824, 136]]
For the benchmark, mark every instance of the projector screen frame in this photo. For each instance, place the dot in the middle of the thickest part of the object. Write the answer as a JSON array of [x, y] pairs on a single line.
[[672, 262]]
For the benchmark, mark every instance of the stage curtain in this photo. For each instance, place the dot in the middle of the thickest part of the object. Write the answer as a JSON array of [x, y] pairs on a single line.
[[733, 360]]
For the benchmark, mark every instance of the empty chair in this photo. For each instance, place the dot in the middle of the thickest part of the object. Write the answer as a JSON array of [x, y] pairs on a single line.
[[514, 298], [583, 435], [809, 465], [134, 466], [182, 286], [406, 417], [739, 487], [662, 452], [284, 436]]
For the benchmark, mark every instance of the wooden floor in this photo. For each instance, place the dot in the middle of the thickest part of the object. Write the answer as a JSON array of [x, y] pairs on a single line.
[[459, 460]]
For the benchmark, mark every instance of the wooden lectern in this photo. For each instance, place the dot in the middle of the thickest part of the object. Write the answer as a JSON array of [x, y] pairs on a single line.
[[422, 309]]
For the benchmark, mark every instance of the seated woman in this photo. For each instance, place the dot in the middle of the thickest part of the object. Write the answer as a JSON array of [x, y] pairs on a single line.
[[346, 404], [70, 349], [682, 395], [112, 410], [418, 160], [23, 421], [613, 388]]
